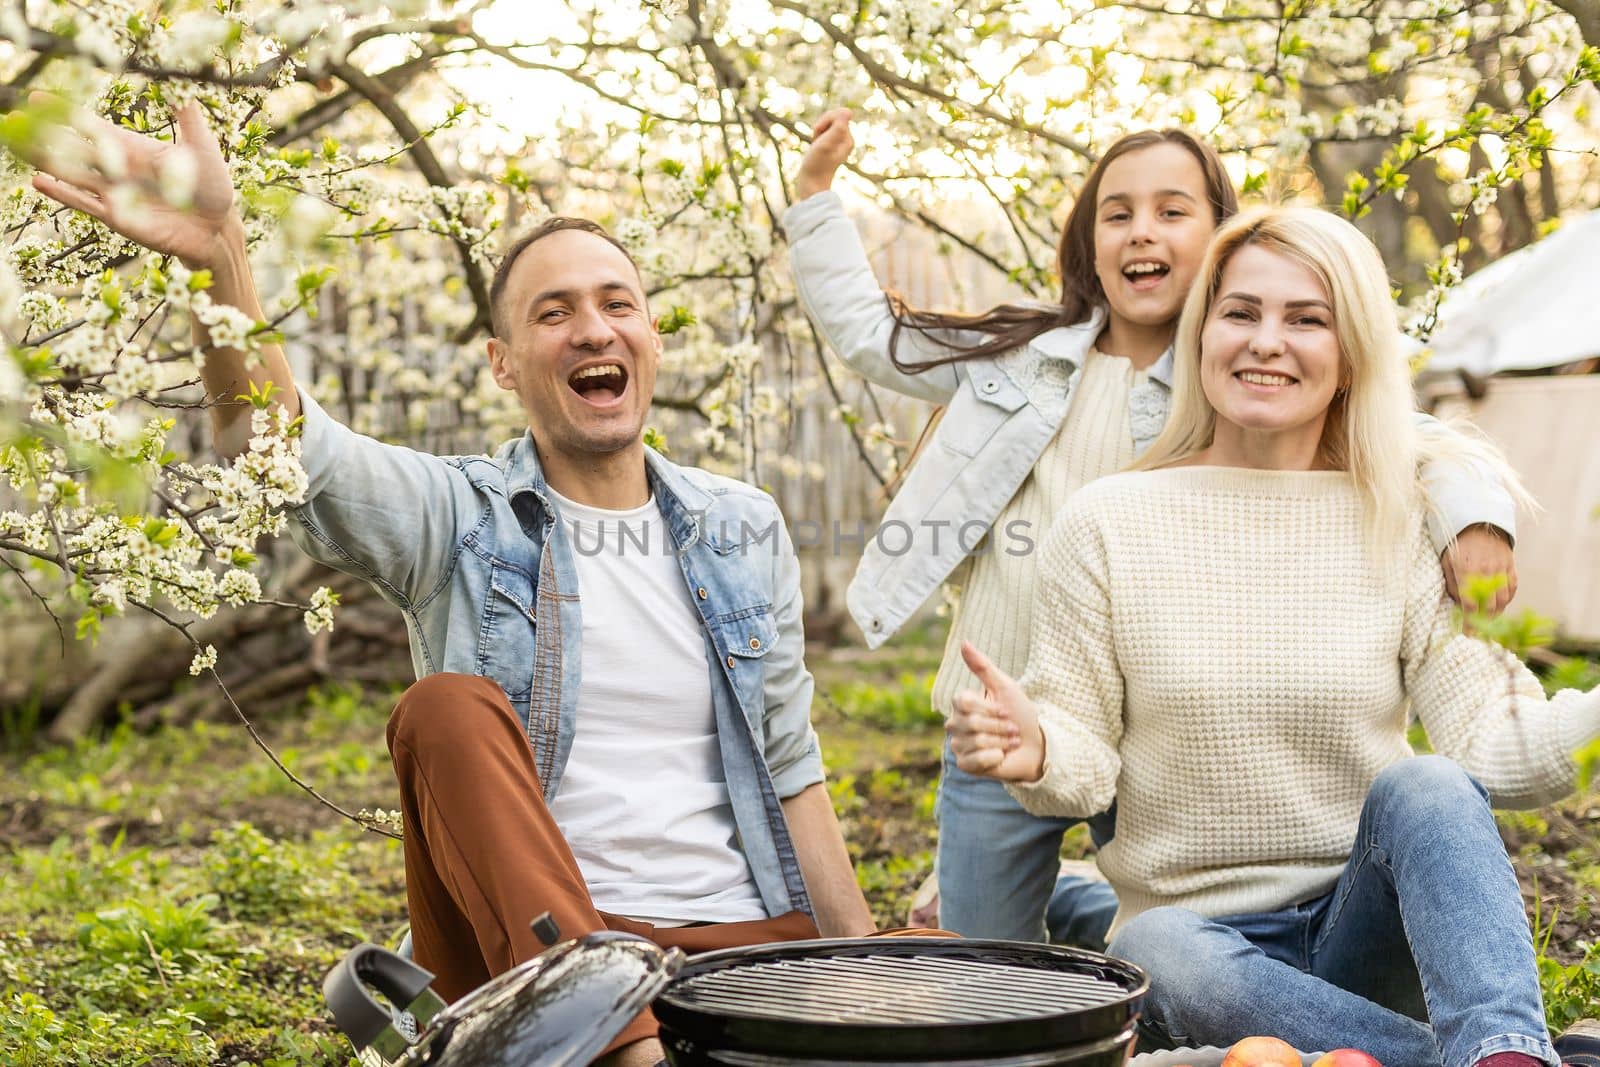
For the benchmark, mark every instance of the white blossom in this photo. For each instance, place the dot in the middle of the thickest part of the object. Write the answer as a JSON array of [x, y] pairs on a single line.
[[13, 25], [41, 311], [306, 221], [319, 616], [97, 41], [672, 9], [178, 177], [113, 594], [195, 41], [227, 326], [110, 158], [204, 661]]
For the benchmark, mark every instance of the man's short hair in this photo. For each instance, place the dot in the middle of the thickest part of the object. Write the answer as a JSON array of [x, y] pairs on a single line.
[[554, 224]]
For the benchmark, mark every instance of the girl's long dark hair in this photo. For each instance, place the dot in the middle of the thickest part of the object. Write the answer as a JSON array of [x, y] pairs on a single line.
[[1014, 325]]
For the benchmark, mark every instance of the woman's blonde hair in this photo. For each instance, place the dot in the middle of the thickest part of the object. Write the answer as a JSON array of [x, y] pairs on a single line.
[[1371, 429]]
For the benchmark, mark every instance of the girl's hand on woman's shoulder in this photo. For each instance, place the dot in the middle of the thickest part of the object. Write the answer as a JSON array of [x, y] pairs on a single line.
[[995, 733], [831, 145], [1481, 551]]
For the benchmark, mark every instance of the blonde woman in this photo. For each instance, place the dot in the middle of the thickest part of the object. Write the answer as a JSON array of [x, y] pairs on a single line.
[[1225, 643]]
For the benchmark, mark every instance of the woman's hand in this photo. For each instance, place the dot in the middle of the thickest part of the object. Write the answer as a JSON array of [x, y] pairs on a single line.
[[995, 734], [175, 198], [831, 144]]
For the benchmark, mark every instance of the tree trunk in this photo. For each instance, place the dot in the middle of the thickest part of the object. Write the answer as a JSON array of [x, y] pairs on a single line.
[[1587, 13], [266, 655]]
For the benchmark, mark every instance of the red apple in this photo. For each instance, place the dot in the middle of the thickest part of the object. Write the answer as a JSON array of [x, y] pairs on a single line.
[[1346, 1057], [1261, 1052]]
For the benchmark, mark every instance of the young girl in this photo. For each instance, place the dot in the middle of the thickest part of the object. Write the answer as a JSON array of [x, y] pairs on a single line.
[[1039, 399], [1285, 865]]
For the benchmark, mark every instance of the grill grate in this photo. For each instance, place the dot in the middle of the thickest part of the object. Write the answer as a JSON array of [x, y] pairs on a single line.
[[892, 990]]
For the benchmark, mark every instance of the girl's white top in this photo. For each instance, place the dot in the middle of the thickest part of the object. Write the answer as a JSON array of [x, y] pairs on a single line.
[[1095, 439]]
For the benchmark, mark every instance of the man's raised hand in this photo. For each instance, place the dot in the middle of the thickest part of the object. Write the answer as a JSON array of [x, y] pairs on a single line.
[[995, 733], [831, 144], [175, 198]]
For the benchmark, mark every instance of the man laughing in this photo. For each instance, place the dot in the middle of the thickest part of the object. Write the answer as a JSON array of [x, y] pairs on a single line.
[[612, 717]]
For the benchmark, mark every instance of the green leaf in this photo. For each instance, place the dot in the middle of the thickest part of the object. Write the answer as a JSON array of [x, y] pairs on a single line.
[[21, 129], [35, 363], [308, 284], [675, 320], [516, 178], [160, 532], [88, 625], [259, 397]]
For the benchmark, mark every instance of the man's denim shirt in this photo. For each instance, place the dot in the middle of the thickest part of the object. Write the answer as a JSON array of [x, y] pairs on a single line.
[[470, 550]]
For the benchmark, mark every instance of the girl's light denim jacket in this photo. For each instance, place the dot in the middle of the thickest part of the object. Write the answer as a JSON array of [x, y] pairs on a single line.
[[1000, 414], [471, 551]]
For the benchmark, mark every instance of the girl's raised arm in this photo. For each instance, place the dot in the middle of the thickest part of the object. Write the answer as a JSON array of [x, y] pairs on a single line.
[[836, 285]]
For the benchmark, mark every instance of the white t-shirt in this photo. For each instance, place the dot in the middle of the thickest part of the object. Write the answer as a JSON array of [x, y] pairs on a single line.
[[642, 802]]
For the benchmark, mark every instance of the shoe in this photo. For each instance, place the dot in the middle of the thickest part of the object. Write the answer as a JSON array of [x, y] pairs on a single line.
[[924, 913], [1086, 869], [1580, 1045]]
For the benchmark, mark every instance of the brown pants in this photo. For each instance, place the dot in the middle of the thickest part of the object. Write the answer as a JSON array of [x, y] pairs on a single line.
[[484, 857]]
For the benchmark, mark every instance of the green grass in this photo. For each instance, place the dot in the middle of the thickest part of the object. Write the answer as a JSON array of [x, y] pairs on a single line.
[[903, 706], [146, 917], [171, 899]]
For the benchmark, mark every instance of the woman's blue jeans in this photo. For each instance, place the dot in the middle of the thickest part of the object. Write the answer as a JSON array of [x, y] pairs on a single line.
[[1425, 926], [998, 868]]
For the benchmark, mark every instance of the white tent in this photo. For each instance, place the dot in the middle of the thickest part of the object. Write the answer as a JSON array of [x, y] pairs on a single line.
[[1537, 307]]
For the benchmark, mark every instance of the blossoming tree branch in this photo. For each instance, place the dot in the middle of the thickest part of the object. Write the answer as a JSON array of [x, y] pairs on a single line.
[[379, 154]]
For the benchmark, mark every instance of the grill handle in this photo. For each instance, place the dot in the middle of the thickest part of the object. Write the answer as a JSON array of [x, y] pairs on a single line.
[[361, 1018]]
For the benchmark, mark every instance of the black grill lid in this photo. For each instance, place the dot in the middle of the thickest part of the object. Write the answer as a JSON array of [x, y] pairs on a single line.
[[902, 996]]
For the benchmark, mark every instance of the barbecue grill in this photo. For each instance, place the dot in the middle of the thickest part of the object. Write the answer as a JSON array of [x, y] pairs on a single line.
[[889, 1002], [901, 1000]]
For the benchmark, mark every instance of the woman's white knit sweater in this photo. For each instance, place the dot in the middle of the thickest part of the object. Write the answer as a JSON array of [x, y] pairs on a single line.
[[1219, 651]]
